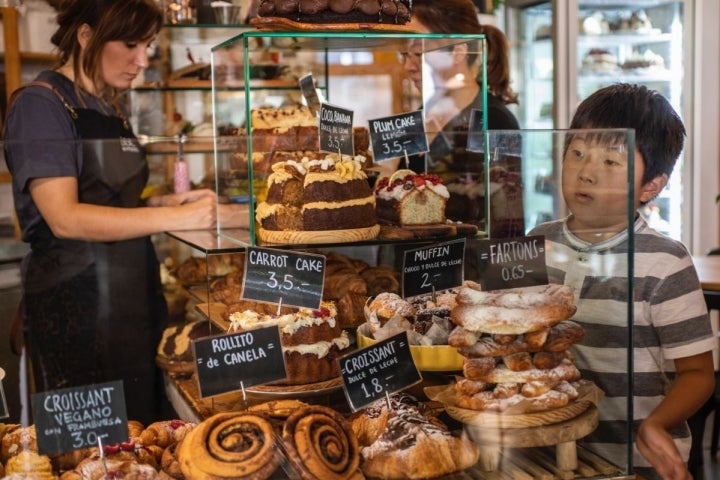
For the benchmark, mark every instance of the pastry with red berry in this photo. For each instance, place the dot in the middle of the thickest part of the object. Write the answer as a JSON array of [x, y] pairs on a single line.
[[312, 340], [409, 198]]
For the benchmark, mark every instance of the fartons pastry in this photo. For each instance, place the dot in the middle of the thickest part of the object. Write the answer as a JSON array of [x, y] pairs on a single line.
[[516, 347]]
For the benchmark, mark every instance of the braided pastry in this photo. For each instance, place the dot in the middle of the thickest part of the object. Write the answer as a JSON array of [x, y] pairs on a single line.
[[230, 445], [513, 311], [320, 444]]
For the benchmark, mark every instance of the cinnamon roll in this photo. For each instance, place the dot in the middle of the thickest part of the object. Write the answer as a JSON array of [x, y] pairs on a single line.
[[230, 445], [320, 444]]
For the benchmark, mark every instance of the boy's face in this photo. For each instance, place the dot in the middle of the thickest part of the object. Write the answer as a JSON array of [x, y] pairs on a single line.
[[594, 184]]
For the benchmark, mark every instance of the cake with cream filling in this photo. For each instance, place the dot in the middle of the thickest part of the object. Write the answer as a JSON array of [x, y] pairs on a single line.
[[312, 340], [409, 198], [318, 194]]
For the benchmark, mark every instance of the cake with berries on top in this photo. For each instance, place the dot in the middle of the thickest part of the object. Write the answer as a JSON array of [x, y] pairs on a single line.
[[408, 198]]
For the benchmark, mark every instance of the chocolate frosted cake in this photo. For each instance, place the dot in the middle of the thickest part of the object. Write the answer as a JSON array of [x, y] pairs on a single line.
[[338, 11], [314, 195]]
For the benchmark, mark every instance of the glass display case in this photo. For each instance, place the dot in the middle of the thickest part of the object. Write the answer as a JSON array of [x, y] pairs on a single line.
[[508, 437], [374, 53]]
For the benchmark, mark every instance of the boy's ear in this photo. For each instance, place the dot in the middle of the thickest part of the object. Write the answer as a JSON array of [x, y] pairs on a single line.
[[653, 188]]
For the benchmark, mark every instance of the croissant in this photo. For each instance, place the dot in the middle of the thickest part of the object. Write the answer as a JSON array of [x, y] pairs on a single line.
[[164, 433], [338, 284], [31, 465], [380, 279]]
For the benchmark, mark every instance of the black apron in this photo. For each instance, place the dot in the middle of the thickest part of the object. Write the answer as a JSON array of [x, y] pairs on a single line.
[[102, 319]]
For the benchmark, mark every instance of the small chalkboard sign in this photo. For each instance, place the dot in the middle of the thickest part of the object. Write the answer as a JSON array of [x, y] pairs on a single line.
[[476, 132], [434, 267], [512, 262], [307, 87], [226, 363], [283, 276], [4, 413], [336, 129], [74, 418], [398, 135], [383, 368]]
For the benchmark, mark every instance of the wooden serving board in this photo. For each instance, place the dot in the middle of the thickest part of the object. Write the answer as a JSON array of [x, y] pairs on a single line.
[[286, 24], [318, 236], [552, 434], [408, 232]]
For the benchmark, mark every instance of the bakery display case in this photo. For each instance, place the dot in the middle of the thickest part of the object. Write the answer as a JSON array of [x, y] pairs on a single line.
[[271, 135], [491, 431], [510, 433]]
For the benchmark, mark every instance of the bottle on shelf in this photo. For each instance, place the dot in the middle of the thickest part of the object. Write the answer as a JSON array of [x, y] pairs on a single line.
[[181, 175]]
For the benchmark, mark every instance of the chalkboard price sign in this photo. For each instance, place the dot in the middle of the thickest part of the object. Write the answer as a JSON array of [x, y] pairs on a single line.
[[283, 276], [4, 413], [476, 132], [75, 418], [435, 267], [225, 363], [307, 87], [512, 262], [383, 368], [398, 135], [336, 129]]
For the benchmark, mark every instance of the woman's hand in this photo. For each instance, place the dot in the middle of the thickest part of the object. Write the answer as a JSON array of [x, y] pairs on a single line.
[[175, 199]]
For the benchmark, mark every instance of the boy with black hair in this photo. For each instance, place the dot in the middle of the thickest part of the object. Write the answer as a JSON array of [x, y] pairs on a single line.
[[672, 338]]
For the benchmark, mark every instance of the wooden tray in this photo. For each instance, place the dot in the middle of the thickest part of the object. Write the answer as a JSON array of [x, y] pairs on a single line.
[[318, 236], [295, 391], [408, 232], [589, 395], [286, 24]]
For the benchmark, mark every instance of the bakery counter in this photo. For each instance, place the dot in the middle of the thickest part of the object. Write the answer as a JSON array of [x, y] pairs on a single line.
[[557, 459]]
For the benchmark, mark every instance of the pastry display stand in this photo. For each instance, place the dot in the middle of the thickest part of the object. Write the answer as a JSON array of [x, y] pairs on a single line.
[[562, 435]]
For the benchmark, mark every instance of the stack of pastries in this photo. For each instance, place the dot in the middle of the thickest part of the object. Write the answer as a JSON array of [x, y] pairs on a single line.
[[516, 347]]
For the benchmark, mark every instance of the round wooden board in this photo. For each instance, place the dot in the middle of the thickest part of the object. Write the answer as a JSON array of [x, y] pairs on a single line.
[[555, 434], [318, 236], [285, 24], [307, 390], [588, 395]]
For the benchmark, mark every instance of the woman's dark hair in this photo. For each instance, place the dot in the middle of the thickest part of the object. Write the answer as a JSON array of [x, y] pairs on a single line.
[[110, 20], [460, 16], [659, 131]]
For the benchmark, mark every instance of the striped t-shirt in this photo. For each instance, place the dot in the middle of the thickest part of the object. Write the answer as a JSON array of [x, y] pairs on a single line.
[[670, 321]]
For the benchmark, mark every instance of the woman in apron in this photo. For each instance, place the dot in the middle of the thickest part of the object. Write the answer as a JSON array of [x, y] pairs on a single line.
[[94, 308]]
